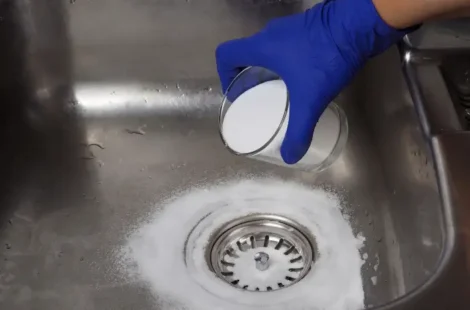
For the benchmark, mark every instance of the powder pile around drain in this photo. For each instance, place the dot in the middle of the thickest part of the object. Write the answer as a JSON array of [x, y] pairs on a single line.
[[167, 252]]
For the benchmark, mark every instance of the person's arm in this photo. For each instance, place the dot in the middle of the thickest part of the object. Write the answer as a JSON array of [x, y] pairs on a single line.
[[318, 52], [406, 13]]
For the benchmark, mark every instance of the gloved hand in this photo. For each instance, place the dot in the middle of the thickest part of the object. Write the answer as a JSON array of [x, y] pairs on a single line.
[[316, 53]]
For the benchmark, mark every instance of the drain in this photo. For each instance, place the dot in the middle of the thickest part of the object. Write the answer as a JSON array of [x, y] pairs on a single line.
[[261, 253]]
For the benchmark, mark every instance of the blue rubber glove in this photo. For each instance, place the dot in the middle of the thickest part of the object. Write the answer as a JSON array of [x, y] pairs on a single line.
[[316, 53]]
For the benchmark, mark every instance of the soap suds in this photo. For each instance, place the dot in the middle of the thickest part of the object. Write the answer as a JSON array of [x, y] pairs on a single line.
[[156, 254]]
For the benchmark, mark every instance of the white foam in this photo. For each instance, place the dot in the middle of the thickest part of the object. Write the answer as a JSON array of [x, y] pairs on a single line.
[[154, 252]]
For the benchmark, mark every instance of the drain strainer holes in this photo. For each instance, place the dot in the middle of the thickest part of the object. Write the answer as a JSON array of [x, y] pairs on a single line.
[[261, 253]]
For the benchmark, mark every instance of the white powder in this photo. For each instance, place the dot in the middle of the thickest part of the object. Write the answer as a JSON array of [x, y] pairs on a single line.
[[376, 266], [373, 280], [253, 118], [154, 253]]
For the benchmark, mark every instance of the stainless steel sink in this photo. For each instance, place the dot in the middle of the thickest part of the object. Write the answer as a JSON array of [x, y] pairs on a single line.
[[109, 106]]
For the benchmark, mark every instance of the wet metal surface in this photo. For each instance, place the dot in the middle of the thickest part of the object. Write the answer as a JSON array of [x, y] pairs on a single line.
[[109, 106]]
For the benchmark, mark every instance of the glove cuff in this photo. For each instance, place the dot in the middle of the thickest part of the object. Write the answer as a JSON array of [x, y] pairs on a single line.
[[384, 30], [358, 23]]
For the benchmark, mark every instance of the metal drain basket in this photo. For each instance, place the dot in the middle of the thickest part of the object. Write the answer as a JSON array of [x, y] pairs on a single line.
[[261, 253]]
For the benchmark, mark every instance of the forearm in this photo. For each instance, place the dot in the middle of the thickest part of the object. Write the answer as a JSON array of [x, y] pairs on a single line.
[[406, 13]]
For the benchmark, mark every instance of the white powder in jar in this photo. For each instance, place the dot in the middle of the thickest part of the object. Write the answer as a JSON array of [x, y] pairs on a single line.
[[255, 116], [259, 115]]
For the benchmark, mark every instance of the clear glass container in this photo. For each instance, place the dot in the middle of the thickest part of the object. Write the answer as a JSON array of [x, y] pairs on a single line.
[[254, 116]]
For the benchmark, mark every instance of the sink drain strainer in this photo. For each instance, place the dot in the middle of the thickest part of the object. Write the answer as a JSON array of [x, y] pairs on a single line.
[[261, 253]]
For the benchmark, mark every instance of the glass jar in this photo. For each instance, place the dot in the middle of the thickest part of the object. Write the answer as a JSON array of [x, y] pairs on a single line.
[[254, 116]]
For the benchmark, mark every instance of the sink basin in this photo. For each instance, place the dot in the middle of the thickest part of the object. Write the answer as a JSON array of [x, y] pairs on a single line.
[[111, 106]]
